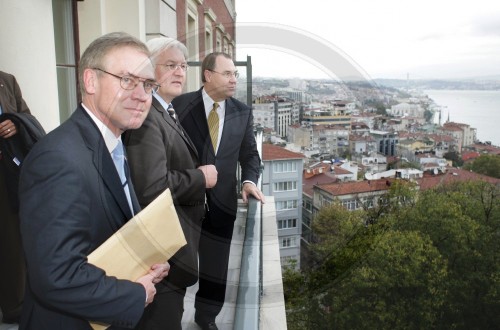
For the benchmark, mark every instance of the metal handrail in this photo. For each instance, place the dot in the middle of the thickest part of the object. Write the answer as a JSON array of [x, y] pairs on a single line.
[[250, 283]]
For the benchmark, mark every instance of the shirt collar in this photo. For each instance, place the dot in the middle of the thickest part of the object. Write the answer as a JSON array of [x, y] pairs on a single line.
[[209, 103], [109, 138], [163, 103]]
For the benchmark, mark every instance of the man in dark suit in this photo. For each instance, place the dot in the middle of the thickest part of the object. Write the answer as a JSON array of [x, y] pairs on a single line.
[[162, 156], [221, 128], [74, 196], [12, 276]]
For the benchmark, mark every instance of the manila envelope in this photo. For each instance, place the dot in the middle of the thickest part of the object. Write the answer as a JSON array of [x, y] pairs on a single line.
[[152, 236]]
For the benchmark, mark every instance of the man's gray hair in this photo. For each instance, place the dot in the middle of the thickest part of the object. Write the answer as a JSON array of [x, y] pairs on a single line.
[[94, 55], [158, 45]]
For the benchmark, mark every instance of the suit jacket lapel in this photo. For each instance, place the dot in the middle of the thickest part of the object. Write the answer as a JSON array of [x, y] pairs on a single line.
[[103, 162], [197, 111], [177, 127]]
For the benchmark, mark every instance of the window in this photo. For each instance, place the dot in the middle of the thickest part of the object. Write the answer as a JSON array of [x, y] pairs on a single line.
[[287, 223], [368, 202], [285, 186], [286, 205], [351, 204], [208, 42], [280, 167], [324, 201], [307, 205], [287, 242], [66, 57]]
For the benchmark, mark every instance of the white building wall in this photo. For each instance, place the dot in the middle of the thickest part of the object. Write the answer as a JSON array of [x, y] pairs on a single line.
[[28, 52], [98, 17], [164, 24]]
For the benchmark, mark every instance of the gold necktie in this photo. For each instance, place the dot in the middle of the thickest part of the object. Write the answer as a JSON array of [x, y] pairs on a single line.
[[213, 125]]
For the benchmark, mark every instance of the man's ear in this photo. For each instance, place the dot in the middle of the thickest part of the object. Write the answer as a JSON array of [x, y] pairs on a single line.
[[208, 75], [90, 81]]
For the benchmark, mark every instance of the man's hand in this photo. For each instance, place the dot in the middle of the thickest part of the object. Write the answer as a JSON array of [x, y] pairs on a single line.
[[210, 173], [7, 129], [155, 275], [159, 272], [251, 189], [147, 283]]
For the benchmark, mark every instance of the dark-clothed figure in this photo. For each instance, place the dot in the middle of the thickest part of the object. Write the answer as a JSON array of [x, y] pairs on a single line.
[[162, 156], [12, 276], [74, 194], [222, 130]]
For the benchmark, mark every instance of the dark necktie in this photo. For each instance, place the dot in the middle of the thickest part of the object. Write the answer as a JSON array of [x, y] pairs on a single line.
[[171, 112]]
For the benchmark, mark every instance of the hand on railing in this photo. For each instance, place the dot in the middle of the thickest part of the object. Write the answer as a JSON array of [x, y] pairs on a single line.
[[250, 189]]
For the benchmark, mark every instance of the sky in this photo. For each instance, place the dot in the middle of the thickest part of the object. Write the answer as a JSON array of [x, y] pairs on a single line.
[[426, 39]]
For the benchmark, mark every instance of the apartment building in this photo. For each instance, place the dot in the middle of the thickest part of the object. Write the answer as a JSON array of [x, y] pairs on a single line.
[[386, 142], [282, 178], [462, 133], [327, 139]]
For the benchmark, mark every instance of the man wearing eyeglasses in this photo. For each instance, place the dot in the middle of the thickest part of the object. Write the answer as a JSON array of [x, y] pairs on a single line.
[[75, 193], [162, 156], [221, 128]]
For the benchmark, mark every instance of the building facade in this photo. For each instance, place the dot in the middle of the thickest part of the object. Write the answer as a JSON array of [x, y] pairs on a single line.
[[386, 142], [282, 178], [46, 66]]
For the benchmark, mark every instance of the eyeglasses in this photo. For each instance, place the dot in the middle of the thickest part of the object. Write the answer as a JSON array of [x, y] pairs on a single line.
[[227, 74], [173, 67], [129, 82]]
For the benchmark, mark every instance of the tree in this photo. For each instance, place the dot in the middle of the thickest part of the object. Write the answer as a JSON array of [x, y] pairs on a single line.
[[454, 157], [399, 285], [427, 260], [463, 221], [486, 164]]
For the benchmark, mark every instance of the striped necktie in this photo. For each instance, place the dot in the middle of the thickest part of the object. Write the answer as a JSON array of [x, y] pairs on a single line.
[[171, 112], [213, 125], [173, 115]]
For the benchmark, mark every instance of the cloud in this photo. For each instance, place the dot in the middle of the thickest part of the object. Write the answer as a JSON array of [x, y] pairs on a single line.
[[486, 26]]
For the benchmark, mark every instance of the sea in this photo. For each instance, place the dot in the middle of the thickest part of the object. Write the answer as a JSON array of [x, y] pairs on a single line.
[[478, 108]]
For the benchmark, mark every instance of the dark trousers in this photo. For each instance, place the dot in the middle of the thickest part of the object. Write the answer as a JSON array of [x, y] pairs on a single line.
[[165, 312], [12, 276], [213, 254]]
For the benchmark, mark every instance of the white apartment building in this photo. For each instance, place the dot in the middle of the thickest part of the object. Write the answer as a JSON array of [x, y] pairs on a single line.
[[463, 133], [276, 115], [327, 139], [263, 114], [282, 178], [407, 109]]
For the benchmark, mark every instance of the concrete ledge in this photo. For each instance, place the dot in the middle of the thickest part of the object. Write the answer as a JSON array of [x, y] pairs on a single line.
[[272, 305]]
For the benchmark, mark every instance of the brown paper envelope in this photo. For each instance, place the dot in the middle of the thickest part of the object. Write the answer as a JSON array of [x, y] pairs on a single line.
[[153, 236]]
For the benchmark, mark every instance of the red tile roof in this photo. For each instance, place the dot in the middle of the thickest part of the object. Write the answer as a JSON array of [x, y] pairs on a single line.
[[490, 149], [470, 155], [355, 187], [274, 152], [308, 184], [430, 181]]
